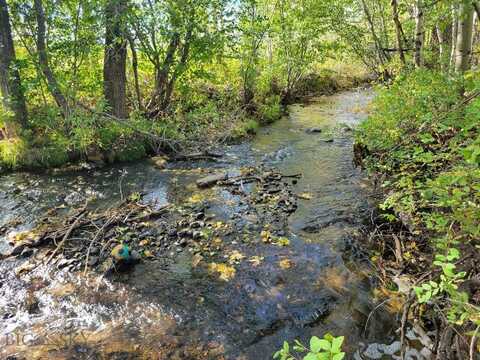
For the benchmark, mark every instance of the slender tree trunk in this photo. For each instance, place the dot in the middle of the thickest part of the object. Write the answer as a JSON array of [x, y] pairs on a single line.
[[135, 71], [445, 44], [477, 9], [398, 31], [162, 74], [464, 38], [419, 34], [380, 52], [10, 84], [454, 36], [179, 69], [115, 58], [52, 83]]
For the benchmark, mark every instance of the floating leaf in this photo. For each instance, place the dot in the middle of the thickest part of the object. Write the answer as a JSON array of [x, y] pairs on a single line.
[[235, 257], [256, 260], [305, 196], [285, 264], [224, 271]]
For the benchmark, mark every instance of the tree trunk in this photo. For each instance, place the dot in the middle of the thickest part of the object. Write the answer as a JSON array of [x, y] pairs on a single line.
[[464, 37], [398, 31], [380, 52], [454, 36], [477, 9], [115, 58], [419, 34], [179, 69], [162, 74], [135, 71], [43, 60], [10, 84]]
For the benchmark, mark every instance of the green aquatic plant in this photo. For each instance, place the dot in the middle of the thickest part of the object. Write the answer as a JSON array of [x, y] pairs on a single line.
[[327, 348]]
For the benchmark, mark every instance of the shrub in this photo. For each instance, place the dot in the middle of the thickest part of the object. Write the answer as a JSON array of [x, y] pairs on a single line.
[[271, 110]]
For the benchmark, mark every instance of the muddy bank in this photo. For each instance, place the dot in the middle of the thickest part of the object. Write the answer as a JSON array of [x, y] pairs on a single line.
[[229, 271]]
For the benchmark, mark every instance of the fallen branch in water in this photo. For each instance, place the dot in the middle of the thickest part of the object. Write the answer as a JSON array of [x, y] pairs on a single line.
[[74, 225]]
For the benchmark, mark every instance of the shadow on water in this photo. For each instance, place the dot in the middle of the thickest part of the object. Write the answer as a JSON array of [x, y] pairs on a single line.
[[291, 292]]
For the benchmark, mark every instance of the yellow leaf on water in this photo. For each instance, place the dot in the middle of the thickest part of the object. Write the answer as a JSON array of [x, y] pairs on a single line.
[[285, 264], [235, 257], [256, 260], [148, 254], [195, 198], [224, 271], [282, 241], [305, 196], [196, 260], [266, 236]]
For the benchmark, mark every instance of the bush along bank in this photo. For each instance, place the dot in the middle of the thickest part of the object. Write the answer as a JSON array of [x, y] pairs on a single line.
[[421, 144], [209, 116]]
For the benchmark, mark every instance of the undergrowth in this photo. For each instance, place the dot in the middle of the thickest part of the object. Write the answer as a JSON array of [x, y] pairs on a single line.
[[422, 140]]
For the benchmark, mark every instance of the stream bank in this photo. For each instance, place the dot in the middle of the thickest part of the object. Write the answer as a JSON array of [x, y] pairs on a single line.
[[273, 260]]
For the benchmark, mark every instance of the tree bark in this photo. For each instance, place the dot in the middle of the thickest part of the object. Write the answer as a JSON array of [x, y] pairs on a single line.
[[43, 60], [444, 42], [477, 9], [115, 58], [398, 31], [179, 69], [454, 36], [162, 74], [10, 83], [419, 34], [464, 37], [381, 54], [135, 71]]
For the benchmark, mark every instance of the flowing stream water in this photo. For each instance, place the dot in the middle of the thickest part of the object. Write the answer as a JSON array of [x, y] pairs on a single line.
[[315, 285]]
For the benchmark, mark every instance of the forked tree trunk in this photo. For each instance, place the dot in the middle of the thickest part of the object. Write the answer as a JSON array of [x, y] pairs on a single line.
[[52, 83], [10, 84], [115, 58], [464, 37]]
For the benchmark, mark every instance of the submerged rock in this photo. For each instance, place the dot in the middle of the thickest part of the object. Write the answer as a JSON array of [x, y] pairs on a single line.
[[314, 130], [160, 162], [211, 180]]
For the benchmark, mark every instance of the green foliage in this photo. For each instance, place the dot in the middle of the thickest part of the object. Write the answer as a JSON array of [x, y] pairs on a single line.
[[11, 150], [271, 110], [327, 348], [425, 140]]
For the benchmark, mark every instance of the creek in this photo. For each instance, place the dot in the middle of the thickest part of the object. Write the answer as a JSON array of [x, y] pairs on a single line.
[[170, 308]]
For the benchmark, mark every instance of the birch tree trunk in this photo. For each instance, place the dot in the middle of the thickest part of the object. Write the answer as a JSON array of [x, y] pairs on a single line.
[[419, 34], [10, 84], [454, 36], [115, 58], [464, 37]]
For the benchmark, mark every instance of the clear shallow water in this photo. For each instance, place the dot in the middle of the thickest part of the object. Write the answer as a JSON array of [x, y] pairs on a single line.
[[168, 303]]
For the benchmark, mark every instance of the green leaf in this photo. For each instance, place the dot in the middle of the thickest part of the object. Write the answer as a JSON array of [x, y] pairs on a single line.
[[337, 344], [317, 344], [311, 356], [338, 356]]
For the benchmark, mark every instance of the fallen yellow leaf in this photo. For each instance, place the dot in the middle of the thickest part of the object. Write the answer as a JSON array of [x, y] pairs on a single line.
[[224, 271]]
